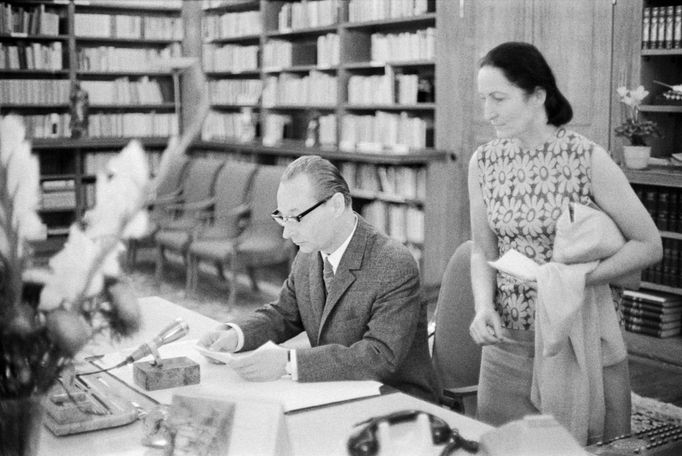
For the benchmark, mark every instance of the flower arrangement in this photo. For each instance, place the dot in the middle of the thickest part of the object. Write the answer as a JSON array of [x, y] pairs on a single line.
[[635, 129], [82, 294]]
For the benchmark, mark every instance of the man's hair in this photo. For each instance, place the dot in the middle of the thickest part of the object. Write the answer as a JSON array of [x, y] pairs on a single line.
[[324, 176]]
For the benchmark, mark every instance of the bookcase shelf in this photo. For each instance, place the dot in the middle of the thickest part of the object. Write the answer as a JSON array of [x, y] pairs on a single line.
[[659, 187], [304, 65], [150, 30]]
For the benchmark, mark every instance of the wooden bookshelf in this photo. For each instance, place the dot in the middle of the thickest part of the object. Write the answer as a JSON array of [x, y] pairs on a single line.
[[46, 53], [321, 55], [643, 62]]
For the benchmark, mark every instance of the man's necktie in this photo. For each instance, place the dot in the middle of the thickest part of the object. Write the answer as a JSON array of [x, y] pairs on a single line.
[[327, 275]]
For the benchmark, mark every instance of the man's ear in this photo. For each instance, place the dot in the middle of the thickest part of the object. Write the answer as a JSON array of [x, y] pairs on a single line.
[[339, 203]]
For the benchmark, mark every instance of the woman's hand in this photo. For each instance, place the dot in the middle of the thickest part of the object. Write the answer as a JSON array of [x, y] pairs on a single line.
[[486, 327]]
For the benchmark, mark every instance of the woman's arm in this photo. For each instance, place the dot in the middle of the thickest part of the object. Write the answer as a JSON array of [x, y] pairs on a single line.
[[613, 193], [486, 326]]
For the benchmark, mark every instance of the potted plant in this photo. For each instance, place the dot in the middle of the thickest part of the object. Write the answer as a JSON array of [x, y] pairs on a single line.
[[634, 128]]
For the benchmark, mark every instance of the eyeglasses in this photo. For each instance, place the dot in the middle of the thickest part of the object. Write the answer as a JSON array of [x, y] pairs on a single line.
[[283, 219]]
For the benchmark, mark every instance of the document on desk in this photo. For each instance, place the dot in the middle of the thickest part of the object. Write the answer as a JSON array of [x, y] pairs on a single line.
[[221, 379]]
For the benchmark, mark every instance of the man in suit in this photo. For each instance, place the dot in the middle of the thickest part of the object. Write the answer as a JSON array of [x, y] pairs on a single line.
[[367, 323]]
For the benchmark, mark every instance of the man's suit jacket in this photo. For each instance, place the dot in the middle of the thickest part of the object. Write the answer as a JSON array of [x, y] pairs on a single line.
[[372, 325]]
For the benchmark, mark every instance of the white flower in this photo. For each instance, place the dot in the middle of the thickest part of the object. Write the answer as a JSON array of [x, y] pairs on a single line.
[[70, 268], [119, 194]]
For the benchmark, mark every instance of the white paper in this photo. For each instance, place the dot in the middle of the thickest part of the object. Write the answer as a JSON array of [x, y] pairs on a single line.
[[517, 265], [221, 379]]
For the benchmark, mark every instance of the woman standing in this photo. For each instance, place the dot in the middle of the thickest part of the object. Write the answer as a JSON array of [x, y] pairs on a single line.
[[519, 184]]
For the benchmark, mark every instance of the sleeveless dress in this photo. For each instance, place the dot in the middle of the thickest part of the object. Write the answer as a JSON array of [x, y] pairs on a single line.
[[524, 192]]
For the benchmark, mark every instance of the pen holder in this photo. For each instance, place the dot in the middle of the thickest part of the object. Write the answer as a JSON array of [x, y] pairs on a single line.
[[167, 373]]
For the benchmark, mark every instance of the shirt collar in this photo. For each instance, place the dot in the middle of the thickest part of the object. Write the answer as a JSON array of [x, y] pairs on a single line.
[[335, 257]]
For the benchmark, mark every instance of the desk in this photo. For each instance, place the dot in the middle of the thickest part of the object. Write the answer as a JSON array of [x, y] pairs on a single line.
[[316, 431]]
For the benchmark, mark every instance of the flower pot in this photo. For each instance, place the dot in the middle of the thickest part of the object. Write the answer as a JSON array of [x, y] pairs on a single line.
[[21, 422], [636, 157]]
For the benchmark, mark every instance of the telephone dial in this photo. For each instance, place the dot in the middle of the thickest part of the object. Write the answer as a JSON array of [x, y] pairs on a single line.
[[364, 442]]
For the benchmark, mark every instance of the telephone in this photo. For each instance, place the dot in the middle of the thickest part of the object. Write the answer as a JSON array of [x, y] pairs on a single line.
[[364, 440]]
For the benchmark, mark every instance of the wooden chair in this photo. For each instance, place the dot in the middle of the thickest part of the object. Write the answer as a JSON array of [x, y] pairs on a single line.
[[183, 217], [455, 357], [167, 192], [259, 244], [230, 212]]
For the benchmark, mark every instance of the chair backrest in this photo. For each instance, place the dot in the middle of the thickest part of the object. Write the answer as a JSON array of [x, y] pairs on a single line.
[[199, 181], [264, 198], [262, 242], [232, 188], [172, 177], [456, 358]]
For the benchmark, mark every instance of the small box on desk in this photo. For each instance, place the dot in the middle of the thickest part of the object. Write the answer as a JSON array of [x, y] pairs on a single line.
[[173, 372]]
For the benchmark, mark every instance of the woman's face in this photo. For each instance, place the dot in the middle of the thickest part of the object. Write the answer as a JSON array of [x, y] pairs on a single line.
[[512, 112]]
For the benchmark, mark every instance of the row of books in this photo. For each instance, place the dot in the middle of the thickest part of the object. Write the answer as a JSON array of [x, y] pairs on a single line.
[[308, 14], [132, 124], [127, 26], [96, 162], [110, 58], [235, 91], [52, 125], [123, 91], [35, 91], [58, 194], [388, 88], [402, 223], [29, 20], [385, 130], [664, 204], [667, 271], [282, 54], [400, 182], [662, 27], [652, 313], [231, 25], [328, 50], [32, 56], [227, 126], [278, 54], [375, 10], [316, 88], [230, 57], [405, 46]]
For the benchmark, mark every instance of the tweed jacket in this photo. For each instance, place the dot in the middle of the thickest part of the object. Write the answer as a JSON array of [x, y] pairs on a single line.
[[372, 325]]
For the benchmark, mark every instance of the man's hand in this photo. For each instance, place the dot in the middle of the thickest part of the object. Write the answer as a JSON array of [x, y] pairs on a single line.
[[262, 365], [220, 339]]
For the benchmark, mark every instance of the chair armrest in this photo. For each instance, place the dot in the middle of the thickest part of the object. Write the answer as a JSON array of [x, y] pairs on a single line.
[[460, 392], [166, 198], [195, 206]]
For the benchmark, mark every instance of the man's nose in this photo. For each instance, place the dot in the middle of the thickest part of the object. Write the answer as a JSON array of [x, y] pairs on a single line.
[[287, 231]]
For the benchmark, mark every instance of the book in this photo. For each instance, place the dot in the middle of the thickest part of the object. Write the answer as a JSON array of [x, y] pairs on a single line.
[[657, 298], [653, 324], [652, 316], [651, 307], [652, 332]]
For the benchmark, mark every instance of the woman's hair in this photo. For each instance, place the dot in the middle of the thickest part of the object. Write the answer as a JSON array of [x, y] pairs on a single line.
[[324, 176], [525, 67]]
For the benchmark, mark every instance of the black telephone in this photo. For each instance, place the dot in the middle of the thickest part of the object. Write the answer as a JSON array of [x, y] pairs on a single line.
[[364, 442]]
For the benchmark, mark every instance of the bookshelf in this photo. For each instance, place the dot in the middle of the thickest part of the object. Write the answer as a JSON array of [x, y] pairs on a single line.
[[646, 59], [340, 78], [109, 48]]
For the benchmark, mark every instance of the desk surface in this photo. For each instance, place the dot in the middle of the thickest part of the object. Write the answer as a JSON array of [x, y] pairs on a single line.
[[320, 430]]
